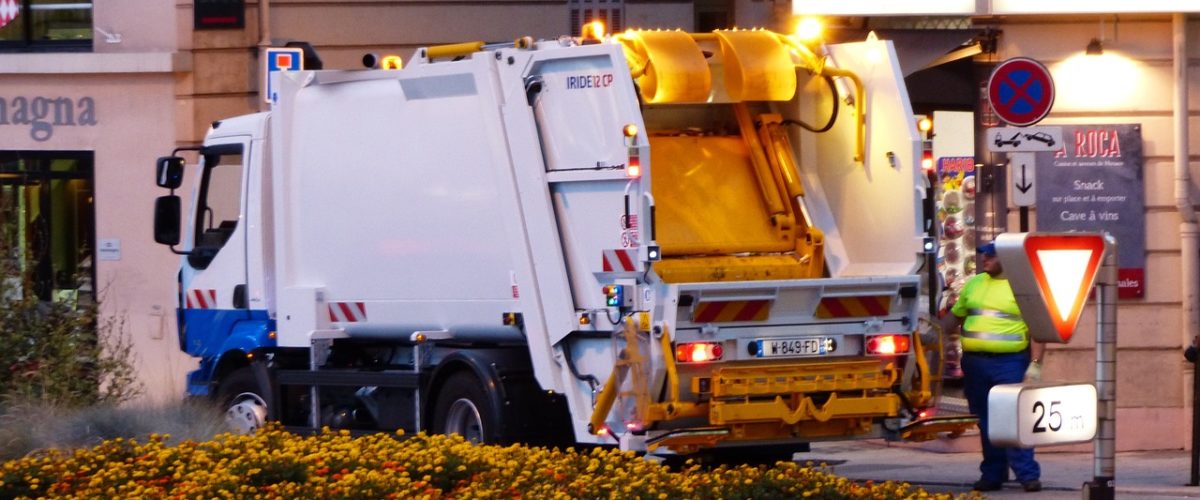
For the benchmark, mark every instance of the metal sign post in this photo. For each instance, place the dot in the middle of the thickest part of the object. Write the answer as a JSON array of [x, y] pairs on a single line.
[[1051, 274], [1104, 450]]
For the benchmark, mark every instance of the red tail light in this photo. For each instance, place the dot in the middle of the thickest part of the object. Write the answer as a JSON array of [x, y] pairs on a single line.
[[699, 352], [634, 168], [887, 345]]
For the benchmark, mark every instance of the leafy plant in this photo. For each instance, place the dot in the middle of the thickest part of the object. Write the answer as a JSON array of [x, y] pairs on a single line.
[[61, 352]]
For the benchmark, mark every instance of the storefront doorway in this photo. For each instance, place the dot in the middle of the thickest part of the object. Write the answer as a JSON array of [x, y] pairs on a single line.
[[47, 223]]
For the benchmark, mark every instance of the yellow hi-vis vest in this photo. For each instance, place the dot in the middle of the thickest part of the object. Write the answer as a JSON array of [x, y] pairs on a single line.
[[993, 320]]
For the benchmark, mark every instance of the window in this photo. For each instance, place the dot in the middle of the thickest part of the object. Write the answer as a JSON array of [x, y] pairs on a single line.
[[47, 221], [46, 25], [218, 202]]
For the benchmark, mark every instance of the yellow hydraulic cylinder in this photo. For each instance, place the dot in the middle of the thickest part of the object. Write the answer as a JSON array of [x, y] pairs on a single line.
[[779, 149], [762, 168], [453, 50]]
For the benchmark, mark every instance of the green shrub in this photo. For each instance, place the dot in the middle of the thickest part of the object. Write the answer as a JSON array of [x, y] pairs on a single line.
[[62, 352]]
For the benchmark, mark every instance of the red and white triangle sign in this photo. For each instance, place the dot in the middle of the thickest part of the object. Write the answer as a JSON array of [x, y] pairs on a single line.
[[1052, 275]]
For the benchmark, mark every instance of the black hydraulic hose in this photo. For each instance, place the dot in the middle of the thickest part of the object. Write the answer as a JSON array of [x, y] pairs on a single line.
[[832, 116], [590, 379]]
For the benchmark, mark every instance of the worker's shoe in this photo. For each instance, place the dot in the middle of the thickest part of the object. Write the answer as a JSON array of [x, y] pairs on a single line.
[[985, 485], [1032, 486]]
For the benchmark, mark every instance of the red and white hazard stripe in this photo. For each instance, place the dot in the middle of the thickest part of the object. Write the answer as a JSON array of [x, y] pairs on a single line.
[[201, 298], [9, 9], [347, 312], [619, 260]]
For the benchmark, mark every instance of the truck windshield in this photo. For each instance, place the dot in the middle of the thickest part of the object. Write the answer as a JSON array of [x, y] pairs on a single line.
[[218, 203]]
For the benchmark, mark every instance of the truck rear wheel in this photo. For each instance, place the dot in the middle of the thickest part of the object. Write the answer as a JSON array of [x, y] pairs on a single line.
[[242, 401], [463, 408]]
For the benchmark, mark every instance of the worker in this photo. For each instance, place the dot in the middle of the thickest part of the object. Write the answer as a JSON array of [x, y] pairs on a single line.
[[996, 350]]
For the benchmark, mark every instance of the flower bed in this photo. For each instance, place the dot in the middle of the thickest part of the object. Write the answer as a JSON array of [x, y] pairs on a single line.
[[276, 464]]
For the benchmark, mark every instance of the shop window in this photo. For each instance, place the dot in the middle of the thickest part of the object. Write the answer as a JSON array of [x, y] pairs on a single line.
[[47, 219], [45, 25]]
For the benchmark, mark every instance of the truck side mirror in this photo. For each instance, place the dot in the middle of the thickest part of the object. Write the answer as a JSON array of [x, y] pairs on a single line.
[[170, 172], [166, 219]]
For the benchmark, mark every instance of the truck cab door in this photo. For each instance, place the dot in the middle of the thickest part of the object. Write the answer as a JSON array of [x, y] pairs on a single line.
[[214, 273]]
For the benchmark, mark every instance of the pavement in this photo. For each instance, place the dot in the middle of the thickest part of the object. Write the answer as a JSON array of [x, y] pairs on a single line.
[[952, 465], [1139, 474]]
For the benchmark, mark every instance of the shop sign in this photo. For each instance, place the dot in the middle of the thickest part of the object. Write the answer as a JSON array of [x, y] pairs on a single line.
[[1095, 184], [42, 114]]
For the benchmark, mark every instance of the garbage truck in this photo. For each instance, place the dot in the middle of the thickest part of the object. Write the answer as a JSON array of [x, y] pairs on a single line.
[[665, 241]]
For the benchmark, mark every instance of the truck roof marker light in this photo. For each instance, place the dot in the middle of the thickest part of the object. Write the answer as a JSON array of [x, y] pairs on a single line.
[[924, 124], [594, 30], [808, 29], [391, 61]]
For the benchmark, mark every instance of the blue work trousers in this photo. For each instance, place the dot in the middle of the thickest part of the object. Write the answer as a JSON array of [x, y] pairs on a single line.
[[981, 372]]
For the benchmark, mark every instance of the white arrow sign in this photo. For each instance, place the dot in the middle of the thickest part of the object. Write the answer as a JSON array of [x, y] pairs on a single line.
[[1025, 139], [1021, 170]]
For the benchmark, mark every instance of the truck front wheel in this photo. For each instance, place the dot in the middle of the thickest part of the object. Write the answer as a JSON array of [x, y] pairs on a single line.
[[463, 408], [242, 401]]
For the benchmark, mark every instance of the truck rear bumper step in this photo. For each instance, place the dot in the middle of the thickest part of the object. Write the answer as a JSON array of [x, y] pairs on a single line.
[[751, 381]]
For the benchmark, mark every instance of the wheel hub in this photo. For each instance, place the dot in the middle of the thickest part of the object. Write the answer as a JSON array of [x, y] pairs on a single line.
[[463, 419], [247, 413]]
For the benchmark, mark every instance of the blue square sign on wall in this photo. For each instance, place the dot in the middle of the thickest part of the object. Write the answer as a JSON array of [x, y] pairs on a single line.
[[276, 60]]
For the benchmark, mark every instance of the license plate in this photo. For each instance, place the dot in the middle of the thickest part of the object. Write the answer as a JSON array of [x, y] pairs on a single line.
[[805, 346]]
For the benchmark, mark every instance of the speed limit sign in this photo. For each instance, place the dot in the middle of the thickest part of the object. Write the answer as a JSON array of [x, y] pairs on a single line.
[[1031, 415]]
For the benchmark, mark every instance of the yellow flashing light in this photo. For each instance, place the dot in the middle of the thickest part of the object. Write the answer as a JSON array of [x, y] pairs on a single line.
[[630, 130], [391, 61], [594, 30], [925, 124], [808, 29]]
